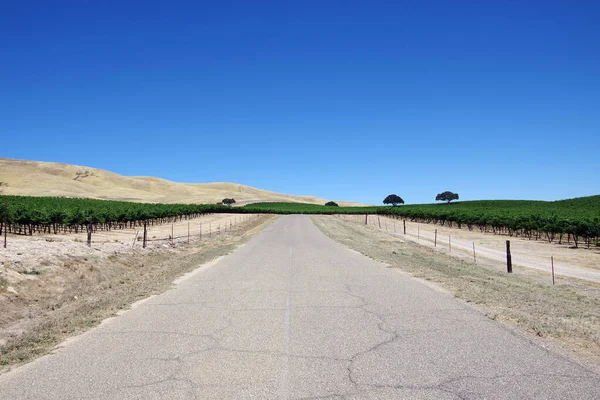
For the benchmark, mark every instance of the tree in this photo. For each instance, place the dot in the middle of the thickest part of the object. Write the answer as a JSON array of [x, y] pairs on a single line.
[[393, 199], [228, 202], [332, 204], [446, 196]]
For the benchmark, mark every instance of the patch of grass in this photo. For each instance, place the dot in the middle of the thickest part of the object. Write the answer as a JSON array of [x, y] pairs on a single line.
[[3, 282], [32, 272]]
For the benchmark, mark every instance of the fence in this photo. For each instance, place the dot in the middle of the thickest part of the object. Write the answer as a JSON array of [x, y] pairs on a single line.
[[475, 246]]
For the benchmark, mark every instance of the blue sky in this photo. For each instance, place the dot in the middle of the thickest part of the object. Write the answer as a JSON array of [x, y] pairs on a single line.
[[349, 100]]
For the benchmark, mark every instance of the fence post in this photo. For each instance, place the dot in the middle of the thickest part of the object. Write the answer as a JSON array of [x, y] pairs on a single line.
[[200, 230], [366, 218], [404, 225], [435, 239], [5, 220], [474, 257], [145, 233], [89, 232], [450, 243], [552, 260], [188, 231], [508, 258]]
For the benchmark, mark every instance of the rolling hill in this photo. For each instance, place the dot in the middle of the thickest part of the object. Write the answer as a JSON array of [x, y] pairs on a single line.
[[36, 178]]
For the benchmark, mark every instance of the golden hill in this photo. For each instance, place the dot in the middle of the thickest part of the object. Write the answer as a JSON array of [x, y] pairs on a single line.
[[35, 178]]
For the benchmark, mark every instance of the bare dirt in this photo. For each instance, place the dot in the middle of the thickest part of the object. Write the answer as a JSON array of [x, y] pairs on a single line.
[[54, 286]]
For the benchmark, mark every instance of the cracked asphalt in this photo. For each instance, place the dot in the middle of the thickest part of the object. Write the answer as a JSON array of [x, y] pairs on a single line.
[[295, 315]]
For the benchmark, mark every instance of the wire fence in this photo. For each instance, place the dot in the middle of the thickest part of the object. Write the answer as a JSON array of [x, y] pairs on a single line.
[[493, 248]]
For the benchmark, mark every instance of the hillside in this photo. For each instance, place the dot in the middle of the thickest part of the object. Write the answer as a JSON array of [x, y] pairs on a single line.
[[34, 178]]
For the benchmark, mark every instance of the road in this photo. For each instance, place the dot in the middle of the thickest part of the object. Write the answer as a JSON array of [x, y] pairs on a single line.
[[292, 315]]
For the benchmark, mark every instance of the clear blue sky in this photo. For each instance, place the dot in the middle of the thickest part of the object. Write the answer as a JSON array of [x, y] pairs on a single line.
[[349, 100]]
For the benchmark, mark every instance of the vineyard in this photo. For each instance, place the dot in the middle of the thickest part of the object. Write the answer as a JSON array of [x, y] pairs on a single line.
[[29, 215], [303, 208], [578, 219]]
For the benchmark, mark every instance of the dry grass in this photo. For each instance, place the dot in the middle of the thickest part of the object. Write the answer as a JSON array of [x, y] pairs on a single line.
[[568, 313], [33, 178], [97, 289]]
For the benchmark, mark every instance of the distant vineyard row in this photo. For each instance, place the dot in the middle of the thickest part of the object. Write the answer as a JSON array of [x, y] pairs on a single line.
[[27, 215], [579, 218]]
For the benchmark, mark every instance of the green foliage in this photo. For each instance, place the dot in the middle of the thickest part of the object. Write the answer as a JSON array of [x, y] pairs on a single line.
[[332, 204], [304, 208], [446, 196], [580, 216], [228, 202], [393, 199], [32, 272], [24, 210]]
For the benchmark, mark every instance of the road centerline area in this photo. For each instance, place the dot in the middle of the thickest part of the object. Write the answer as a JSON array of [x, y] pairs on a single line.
[[293, 314]]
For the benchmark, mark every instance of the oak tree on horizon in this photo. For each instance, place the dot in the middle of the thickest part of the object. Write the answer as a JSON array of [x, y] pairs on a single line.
[[393, 199], [446, 196]]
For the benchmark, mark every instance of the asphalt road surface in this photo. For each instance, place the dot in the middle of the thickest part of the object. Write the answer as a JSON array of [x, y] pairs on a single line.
[[295, 315]]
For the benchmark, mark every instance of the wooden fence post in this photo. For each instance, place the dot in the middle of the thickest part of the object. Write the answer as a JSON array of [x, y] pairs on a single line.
[[145, 234], [552, 260], [5, 220], [404, 225], [89, 232], [435, 239], [474, 256], [508, 258]]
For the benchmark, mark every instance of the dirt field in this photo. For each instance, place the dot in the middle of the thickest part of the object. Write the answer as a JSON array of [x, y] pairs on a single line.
[[565, 316], [55, 286], [581, 263]]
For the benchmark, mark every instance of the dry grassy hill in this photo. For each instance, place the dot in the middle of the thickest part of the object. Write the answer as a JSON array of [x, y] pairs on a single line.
[[34, 178]]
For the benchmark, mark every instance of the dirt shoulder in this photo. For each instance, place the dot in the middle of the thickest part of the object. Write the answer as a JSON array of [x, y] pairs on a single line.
[[52, 290], [565, 317], [581, 263]]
